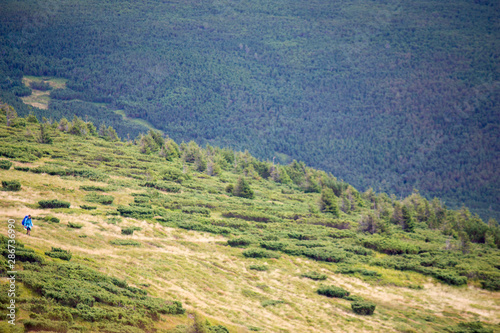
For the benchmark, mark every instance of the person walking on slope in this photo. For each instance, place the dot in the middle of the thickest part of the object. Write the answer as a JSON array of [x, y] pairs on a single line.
[[28, 224]]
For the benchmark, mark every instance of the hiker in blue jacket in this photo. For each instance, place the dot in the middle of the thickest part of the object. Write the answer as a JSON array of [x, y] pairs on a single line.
[[28, 224]]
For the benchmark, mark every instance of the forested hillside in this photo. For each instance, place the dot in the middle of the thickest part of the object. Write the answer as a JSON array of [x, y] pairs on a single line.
[[174, 238], [393, 95]]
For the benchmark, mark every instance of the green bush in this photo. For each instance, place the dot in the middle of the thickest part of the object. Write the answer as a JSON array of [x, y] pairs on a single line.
[[88, 207], [315, 276], [19, 168], [333, 291], [136, 212], [260, 268], [260, 253], [56, 252], [99, 198], [196, 210], [163, 186], [75, 225], [252, 216], [174, 175], [352, 270], [271, 302], [363, 307], [5, 164], [52, 219], [54, 204], [129, 230], [240, 242], [470, 327], [11, 185], [93, 188]]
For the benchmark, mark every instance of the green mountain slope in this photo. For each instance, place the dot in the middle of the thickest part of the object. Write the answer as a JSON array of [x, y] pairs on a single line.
[[391, 95], [242, 245]]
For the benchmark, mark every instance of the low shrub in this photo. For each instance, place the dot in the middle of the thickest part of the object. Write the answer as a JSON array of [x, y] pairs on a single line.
[[93, 188], [352, 270], [11, 185], [125, 242], [52, 219], [260, 253], [54, 204], [315, 276], [5, 164], [240, 242], [75, 225], [45, 325], [364, 308], [129, 230], [196, 210], [260, 268], [163, 186], [252, 216], [99, 198], [333, 291], [273, 245], [136, 212], [24, 169], [56, 252], [88, 207], [271, 302], [470, 327]]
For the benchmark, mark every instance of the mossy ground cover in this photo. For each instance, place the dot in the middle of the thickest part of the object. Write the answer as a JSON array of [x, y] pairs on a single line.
[[180, 251]]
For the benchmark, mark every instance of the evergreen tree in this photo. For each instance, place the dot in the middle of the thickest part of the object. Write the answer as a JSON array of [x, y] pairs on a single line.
[[328, 202], [408, 220], [64, 125], [111, 134], [45, 134], [242, 189]]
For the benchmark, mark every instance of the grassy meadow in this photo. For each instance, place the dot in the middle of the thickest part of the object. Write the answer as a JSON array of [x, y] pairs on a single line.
[[150, 232]]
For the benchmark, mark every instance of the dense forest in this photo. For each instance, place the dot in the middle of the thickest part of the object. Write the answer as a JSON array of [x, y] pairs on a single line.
[[391, 95]]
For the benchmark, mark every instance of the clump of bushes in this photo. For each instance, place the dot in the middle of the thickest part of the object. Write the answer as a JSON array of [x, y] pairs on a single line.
[[136, 212], [470, 327], [240, 242], [75, 225], [252, 216], [52, 219], [54, 204], [11, 185], [260, 253], [99, 198], [333, 291], [5, 164], [364, 308], [88, 207], [20, 168], [315, 276], [56, 252], [163, 186], [92, 188], [196, 210], [129, 230]]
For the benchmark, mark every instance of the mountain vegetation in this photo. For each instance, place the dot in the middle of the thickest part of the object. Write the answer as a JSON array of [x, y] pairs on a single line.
[[174, 242], [393, 95]]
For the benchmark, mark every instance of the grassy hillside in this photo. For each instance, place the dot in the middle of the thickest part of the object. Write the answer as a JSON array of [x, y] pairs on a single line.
[[239, 250], [393, 95]]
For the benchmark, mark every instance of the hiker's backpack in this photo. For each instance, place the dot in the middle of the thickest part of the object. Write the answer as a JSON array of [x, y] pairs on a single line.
[[25, 218]]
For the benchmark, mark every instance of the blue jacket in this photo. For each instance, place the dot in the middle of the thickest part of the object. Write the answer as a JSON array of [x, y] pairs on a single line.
[[28, 223]]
